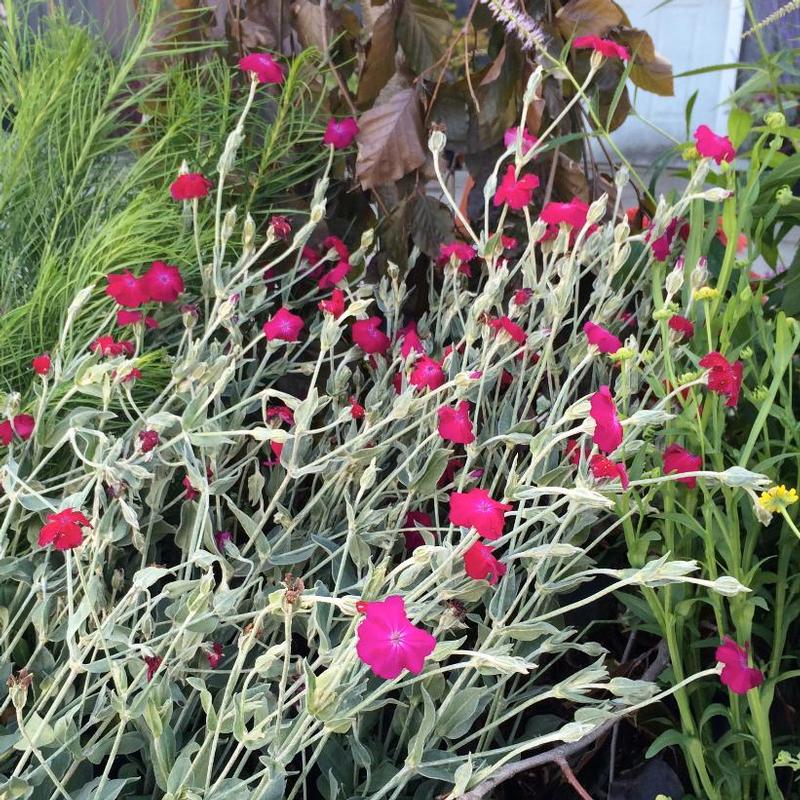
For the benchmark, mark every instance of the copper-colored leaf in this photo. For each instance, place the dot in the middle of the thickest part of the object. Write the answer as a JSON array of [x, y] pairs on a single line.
[[588, 18], [493, 73], [570, 180], [379, 64], [620, 110], [650, 71], [423, 28], [308, 21], [391, 140], [431, 224]]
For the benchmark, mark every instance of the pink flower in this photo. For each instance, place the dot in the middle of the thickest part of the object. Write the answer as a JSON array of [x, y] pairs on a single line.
[[281, 412], [366, 333], [602, 339], [455, 425], [602, 467], [214, 656], [148, 440], [24, 425], [508, 242], [356, 409], [573, 452], [737, 675], [480, 564], [42, 364], [6, 433], [709, 145], [333, 276], [163, 282], [427, 373], [724, 378], [127, 289], [263, 66], [190, 186], [340, 132], [153, 663], [409, 340], [515, 192], [333, 305], [283, 326], [607, 430], [190, 493], [388, 642], [462, 252], [335, 243], [523, 296], [310, 255], [132, 375], [281, 226], [510, 140], [572, 213], [661, 246], [605, 47], [506, 325], [415, 519], [682, 326], [64, 530], [678, 459], [476, 509], [107, 346]]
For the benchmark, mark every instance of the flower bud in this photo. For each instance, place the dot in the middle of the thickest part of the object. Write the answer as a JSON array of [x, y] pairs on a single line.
[[699, 274], [597, 209], [595, 60], [490, 187], [776, 143], [248, 232], [775, 121], [436, 141], [674, 281], [690, 153], [228, 224], [784, 196], [622, 177], [317, 213], [534, 79], [367, 238]]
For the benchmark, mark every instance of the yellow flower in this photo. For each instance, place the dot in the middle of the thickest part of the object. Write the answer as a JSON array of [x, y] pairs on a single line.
[[777, 498], [706, 293]]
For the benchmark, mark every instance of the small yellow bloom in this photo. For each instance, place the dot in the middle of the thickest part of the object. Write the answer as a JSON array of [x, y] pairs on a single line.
[[706, 293], [777, 498]]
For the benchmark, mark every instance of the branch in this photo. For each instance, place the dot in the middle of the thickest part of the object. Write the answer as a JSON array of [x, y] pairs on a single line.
[[559, 754]]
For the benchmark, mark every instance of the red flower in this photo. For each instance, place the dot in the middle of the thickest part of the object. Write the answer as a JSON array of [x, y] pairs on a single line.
[[414, 520], [333, 276], [148, 440], [127, 289], [572, 213], [310, 255], [42, 364], [215, 655], [356, 409], [410, 341], [335, 243], [510, 139], [334, 305], [463, 253], [64, 530], [263, 66], [476, 509], [455, 425], [523, 296], [340, 132], [737, 675], [602, 467], [221, 538], [153, 663], [661, 246], [366, 333], [602, 339], [163, 282], [515, 192], [724, 378], [677, 459], [682, 326], [283, 326], [107, 346], [284, 413], [190, 492], [607, 430], [709, 145], [506, 325], [741, 240], [132, 375], [574, 452], [427, 373], [605, 47], [128, 317], [6, 433], [281, 226], [480, 564], [190, 186], [23, 425]]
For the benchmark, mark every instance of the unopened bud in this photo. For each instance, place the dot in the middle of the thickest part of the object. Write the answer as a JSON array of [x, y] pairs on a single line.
[[597, 209], [776, 143], [595, 60], [784, 196], [690, 153], [436, 141], [317, 213], [367, 238], [534, 80], [228, 224], [699, 274], [622, 177], [775, 121], [248, 232], [674, 281]]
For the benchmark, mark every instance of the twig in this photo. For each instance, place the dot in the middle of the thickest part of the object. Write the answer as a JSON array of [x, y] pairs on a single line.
[[572, 779], [564, 751]]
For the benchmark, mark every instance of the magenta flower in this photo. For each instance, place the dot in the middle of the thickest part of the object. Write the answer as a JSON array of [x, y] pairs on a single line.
[[510, 139], [415, 520], [190, 186], [463, 253], [607, 430], [281, 412], [682, 326], [572, 213], [264, 66], [515, 192], [476, 509], [603, 467], [387, 641], [334, 305], [455, 424], [190, 493], [283, 326], [6, 433], [127, 289], [357, 411], [602, 339], [605, 47], [367, 334], [153, 663], [724, 377], [427, 373], [214, 655], [163, 282], [24, 425], [333, 276], [737, 674], [148, 440], [409, 340], [42, 364], [678, 459], [340, 132], [510, 327], [335, 243], [480, 564], [281, 226], [64, 529], [709, 145]]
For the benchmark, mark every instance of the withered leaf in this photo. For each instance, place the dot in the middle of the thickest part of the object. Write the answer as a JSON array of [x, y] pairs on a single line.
[[589, 18], [570, 180], [650, 71], [380, 61], [307, 20], [423, 28], [390, 140], [431, 224]]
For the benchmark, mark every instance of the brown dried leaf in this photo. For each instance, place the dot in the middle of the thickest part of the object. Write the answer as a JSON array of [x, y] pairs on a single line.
[[380, 61], [650, 71], [307, 20], [431, 224], [570, 180], [391, 139], [589, 18]]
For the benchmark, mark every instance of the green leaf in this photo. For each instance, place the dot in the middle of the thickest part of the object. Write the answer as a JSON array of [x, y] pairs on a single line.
[[457, 718], [668, 739], [417, 742], [739, 125], [425, 483], [422, 29]]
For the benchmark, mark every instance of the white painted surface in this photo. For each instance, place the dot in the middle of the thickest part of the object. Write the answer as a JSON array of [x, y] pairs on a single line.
[[691, 34]]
